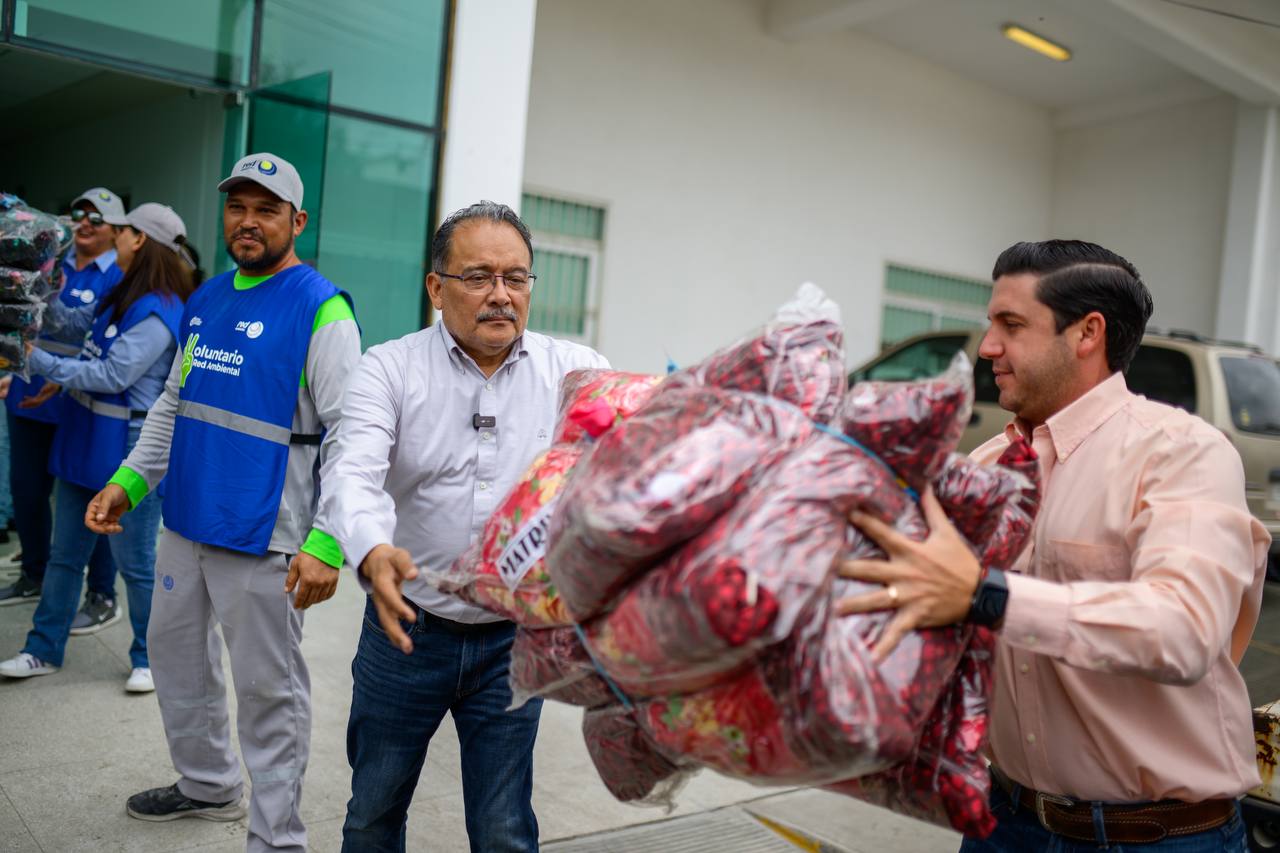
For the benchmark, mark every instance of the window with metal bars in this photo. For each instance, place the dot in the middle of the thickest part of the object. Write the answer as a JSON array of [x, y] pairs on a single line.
[[916, 301], [567, 243]]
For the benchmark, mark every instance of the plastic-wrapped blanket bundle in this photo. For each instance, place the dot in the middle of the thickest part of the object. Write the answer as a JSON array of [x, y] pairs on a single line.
[[504, 570], [30, 244], [684, 581]]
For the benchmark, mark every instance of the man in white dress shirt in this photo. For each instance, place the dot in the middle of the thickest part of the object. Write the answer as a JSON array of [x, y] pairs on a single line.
[[436, 428]]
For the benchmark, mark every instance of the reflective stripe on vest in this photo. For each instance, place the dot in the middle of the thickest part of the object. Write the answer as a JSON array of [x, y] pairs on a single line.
[[107, 410], [58, 347], [233, 421]]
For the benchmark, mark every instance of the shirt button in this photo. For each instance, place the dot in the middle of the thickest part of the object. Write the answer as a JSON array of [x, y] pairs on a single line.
[[483, 485], [1031, 639], [485, 436], [488, 386], [1031, 738], [1024, 668]]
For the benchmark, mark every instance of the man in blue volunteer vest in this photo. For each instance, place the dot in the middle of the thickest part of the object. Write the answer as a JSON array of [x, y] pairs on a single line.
[[248, 406], [90, 272]]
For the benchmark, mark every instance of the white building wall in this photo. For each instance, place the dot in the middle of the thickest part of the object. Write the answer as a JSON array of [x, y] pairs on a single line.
[[733, 166], [1154, 188]]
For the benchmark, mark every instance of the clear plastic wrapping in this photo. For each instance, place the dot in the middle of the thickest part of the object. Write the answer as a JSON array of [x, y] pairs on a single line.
[[29, 239], [912, 426], [797, 358], [658, 479], [594, 400]]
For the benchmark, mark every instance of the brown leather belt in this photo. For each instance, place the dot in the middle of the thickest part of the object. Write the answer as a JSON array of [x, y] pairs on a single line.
[[1140, 823]]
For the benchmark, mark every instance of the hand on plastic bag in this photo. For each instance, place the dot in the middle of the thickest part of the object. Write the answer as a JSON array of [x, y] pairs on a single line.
[[928, 583]]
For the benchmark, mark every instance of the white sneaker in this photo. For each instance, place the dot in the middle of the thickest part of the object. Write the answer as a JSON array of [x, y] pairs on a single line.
[[140, 681], [25, 666]]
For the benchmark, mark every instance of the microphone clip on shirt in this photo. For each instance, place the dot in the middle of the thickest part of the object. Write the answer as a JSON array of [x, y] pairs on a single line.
[[479, 421]]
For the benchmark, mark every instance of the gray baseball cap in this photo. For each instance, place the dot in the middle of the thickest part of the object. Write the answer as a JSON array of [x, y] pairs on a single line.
[[159, 222], [270, 171], [107, 203]]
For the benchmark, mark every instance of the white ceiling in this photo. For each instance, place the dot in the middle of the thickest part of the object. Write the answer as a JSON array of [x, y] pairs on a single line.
[[1127, 54], [966, 37]]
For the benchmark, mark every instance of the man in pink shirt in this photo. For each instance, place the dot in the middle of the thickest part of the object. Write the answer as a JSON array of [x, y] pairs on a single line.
[[1119, 716]]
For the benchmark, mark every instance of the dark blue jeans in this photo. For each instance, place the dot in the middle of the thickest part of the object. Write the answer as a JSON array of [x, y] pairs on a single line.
[[1018, 830], [135, 553], [30, 485], [398, 702]]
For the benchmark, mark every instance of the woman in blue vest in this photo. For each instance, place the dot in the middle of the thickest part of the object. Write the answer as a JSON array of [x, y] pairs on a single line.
[[108, 390]]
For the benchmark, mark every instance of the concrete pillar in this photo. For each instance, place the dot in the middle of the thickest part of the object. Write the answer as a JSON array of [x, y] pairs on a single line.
[[1249, 290], [488, 101]]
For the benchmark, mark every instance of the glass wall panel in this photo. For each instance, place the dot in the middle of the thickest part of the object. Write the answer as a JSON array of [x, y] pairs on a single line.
[[208, 39], [378, 181], [290, 121], [385, 57]]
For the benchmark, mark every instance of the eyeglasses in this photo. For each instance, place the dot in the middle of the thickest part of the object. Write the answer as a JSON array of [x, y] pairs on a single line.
[[94, 217], [481, 282]]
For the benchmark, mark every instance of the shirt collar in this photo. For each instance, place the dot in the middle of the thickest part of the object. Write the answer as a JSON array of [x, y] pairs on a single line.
[[1070, 427], [460, 357], [103, 262]]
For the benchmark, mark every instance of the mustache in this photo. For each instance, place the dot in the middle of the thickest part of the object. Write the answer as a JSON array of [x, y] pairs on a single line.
[[497, 314], [252, 234]]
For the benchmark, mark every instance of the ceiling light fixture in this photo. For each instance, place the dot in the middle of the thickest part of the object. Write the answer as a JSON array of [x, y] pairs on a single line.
[[1039, 44]]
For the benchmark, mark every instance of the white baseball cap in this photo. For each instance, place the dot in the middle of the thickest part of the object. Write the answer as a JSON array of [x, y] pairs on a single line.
[[269, 171], [106, 202], [159, 222]]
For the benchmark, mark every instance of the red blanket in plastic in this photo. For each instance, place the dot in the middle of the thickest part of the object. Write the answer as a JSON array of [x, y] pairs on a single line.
[[657, 479]]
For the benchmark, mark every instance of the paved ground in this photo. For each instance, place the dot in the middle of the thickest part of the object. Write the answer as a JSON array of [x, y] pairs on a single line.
[[75, 745]]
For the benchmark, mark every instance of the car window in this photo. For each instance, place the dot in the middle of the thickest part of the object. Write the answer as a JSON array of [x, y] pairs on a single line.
[[1253, 393], [928, 357], [1160, 373]]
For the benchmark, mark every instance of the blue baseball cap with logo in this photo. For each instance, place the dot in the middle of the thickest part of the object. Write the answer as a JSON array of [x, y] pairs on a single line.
[[276, 175]]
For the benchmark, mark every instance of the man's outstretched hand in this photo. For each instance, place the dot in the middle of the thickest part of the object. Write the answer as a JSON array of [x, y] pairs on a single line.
[[387, 568]]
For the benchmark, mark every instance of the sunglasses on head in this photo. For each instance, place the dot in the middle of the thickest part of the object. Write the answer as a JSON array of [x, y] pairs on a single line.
[[94, 217]]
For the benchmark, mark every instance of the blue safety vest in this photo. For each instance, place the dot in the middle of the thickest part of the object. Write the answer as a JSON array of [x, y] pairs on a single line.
[[81, 287], [93, 433], [243, 353]]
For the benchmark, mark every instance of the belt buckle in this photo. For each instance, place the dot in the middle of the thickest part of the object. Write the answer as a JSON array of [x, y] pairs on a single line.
[[1042, 798]]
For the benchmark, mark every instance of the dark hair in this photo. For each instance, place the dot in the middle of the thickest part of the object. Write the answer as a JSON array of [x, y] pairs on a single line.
[[154, 269], [1077, 278], [492, 211]]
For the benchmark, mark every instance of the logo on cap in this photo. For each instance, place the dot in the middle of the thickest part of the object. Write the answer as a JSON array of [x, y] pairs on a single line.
[[266, 167], [105, 196]]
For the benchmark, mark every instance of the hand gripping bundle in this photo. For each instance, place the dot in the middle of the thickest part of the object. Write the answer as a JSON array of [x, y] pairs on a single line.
[[683, 582], [31, 243]]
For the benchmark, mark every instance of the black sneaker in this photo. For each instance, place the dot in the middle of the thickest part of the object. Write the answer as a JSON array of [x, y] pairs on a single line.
[[96, 613], [170, 804], [19, 592]]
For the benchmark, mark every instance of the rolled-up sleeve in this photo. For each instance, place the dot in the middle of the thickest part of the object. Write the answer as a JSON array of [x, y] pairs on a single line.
[[355, 509], [1196, 558]]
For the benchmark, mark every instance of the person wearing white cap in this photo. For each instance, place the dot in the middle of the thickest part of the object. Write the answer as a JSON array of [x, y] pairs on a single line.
[[247, 411], [132, 341], [90, 272]]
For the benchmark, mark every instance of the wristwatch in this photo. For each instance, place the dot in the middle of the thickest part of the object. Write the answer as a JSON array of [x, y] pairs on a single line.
[[989, 600]]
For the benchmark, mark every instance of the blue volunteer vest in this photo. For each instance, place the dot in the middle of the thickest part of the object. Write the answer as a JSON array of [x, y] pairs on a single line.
[[82, 287], [93, 429], [243, 353]]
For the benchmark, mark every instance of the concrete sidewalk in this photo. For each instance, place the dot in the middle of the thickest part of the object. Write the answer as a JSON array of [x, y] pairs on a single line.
[[75, 745]]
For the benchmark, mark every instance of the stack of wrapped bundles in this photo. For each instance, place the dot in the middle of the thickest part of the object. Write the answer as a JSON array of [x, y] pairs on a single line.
[[671, 562], [31, 243]]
